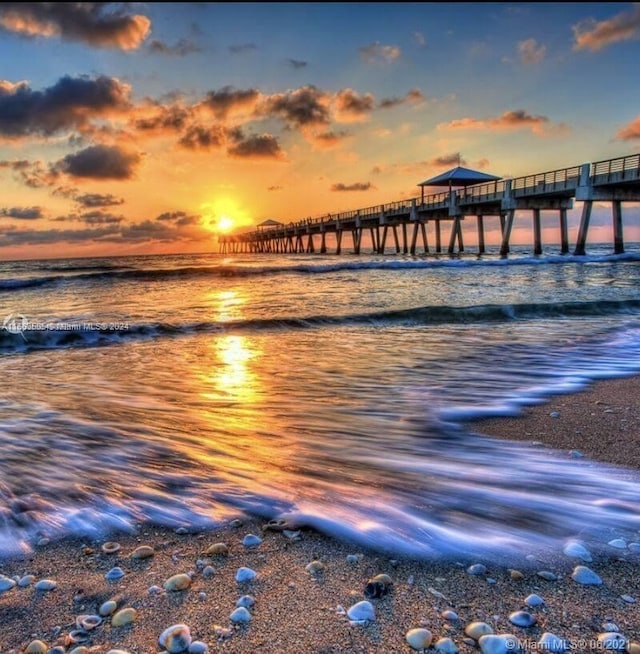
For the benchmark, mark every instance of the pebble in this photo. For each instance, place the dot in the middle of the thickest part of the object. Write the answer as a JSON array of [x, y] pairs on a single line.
[[477, 569], [110, 547], [245, 574], [576, 550], [554, 414], [314, 567], [124, 617], [378, 586], [182, 531], [551, 643], [612, 640], [114, 574], [522, 619], [198, 647], [176, 639], [533, 600], [585, 576], [419, 639], [217, 549], [251, 540], [107, 608], [208, 571], [142, 552], [628, 599], [27, 580], [547, 575], [516, 575], [362, 612], [178, 582], [353, 558], [499, 644], [634, 547], [241, 615], [46, 584], [450, 616], [633, 648], [610, 626], [6, 583], [618, 543], [36, 647], [446, 646], [247, 601], [477, 629]]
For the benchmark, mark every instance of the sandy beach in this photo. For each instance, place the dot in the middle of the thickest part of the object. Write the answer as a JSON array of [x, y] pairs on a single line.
[[298, 611]]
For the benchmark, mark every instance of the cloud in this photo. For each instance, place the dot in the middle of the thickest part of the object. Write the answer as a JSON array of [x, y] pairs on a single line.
[[182, 48], [516, 119], [297, 63], [419, 39], [92, 200], [350, 105], [453, 159], [22, 213], [357, 186], [98, 24], [158, 117], [530, 52], [378, 52], [199, 137], [303, 107], [595, 35], [274, 188], [33, 174], [39, 237], [100, 162], [630, 131], [414, 96], [330, 138], [101, 218], [179, 218], [70, 103], [263, 146], [242, 47], [222, 102]]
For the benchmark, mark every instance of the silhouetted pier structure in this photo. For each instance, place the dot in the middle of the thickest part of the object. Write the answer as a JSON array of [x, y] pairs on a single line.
[[614, 180]]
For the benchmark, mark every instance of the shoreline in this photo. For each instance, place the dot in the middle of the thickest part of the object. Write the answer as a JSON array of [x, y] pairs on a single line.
[[297, 611]]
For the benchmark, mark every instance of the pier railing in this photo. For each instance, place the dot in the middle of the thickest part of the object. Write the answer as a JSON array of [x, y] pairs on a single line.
[[565, 179], [615, 171]]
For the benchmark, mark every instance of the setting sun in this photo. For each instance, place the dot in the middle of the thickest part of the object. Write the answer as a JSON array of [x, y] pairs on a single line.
[[225, 224]]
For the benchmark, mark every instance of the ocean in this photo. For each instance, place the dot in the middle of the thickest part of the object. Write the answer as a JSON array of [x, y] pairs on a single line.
[[330, 391]]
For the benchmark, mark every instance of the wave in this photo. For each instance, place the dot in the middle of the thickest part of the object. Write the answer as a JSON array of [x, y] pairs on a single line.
[[21, 337], [106, 274]]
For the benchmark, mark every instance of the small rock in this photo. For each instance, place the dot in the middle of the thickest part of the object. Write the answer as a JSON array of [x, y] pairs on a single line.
[[6, 583], [124, 617], [240, 616], [533, 600], [585, 576], [107, 608], [114, 574], [551, 643], [576, 550], [446, 646], [362, 612], [315, 567], [217, 549], [547, 575], [46, 584], [419, 639], [198, 647], [378, 586], [499, 644], [251, 540], [245, 574], [477, 629], [36, 647], [247, 601], [618, 543], [522, 619], [628, 599], [477, 569], [176, 639], [178, 582], [612, 640], [142, 552], [450, 616]]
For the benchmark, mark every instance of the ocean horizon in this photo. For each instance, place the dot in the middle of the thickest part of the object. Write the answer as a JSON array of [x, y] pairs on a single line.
[[332, 391]]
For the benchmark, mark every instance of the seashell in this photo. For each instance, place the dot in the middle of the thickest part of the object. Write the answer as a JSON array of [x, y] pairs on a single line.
[[77, 636], [419, 639], [378, 586], [362, 612], [240, 615], [217, 549], [142, 552], [176, 639], [291, 535], [124, 617], [178, 582], [276, 525], [88, 622], [110, 547]]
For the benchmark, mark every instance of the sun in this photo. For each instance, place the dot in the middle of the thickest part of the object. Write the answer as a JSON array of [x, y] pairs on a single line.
[[225, 223]]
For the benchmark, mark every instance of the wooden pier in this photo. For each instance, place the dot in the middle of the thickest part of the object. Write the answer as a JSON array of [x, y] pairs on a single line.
[[406, 221]]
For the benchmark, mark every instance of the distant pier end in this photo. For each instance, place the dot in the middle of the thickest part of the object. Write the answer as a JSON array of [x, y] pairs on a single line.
[[402, 225]]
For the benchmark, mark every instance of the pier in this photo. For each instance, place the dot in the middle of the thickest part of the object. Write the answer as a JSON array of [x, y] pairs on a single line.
[[403, 225]]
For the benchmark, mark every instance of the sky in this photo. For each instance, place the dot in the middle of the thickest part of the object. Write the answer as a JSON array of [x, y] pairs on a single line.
[[143, 128]]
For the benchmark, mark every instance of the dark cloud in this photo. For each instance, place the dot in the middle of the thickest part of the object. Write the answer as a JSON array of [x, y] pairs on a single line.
[[274, 188], [182, 48], [198, 137], [297, 63], [358, 186], [228, 98], [178, 218], [98, 24], [242, 47], [101, 218], [39, 237], [92, 200], [33, 174], [353, 104], [100, 162], [70, 103], [453, 159], [264, 146], [302, 107], [164, 118], [413, 96], [22, 213], [330, 138]]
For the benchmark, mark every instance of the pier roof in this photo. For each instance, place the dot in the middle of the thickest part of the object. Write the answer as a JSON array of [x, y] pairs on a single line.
[[459, 176]]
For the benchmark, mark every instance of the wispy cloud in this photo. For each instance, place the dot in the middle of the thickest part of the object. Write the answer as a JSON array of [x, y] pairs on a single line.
[[376, 52], [98, 24], [630, 132], [182, 48], [530, 52], [414, 96], [357, 186], [516, 119], [595, 35], [22, 213], [242, 47], [297, 63], [419, 39], [263, 146]]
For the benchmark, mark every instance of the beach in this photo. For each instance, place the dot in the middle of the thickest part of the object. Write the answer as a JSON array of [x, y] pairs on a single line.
[[298, 610]]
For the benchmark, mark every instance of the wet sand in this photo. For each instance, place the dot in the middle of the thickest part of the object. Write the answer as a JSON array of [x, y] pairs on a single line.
[[298, 612]]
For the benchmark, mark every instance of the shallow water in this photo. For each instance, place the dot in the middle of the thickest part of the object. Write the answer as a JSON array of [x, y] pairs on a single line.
[[331, 390]]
